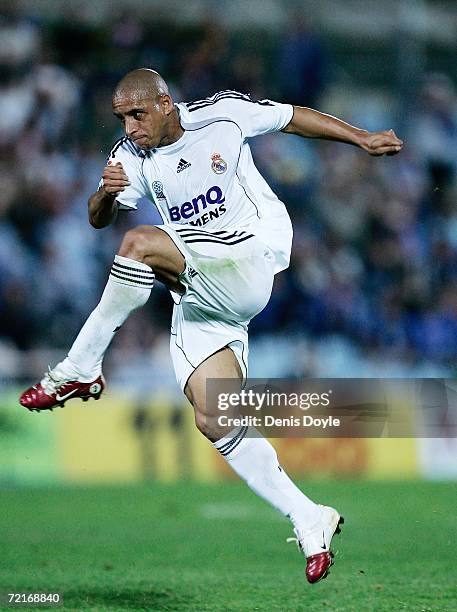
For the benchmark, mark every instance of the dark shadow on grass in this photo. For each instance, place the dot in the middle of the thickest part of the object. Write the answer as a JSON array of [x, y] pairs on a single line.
[[137, 599]]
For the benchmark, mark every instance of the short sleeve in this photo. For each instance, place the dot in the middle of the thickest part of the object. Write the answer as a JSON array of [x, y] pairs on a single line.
[[254, 117], [124, 152]]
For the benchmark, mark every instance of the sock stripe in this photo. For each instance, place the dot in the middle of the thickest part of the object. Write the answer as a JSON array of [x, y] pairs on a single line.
[[226, 449], [232, 448], [133, 275], [229, 442], [131, 281], [146, 273]]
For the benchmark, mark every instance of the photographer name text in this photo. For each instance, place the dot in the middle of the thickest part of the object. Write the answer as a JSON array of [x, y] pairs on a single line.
[[271, 421]]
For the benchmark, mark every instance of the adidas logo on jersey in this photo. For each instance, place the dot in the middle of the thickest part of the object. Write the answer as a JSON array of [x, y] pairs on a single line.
[[182, 165]]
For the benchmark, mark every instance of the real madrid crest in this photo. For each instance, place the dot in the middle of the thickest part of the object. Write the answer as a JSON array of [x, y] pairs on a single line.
[[218, 165]]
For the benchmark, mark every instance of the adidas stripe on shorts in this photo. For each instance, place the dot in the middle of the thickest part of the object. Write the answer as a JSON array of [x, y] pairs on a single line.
[[228, 279]]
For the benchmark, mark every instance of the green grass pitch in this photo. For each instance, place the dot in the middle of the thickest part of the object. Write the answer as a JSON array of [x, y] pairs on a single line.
[[217, 547]]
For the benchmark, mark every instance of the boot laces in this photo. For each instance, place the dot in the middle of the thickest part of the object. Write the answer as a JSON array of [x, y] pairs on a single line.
[[296, 541], [50, 383]]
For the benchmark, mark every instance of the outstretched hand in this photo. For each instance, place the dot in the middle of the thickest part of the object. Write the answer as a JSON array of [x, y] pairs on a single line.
[[114, 179], [381, 143]]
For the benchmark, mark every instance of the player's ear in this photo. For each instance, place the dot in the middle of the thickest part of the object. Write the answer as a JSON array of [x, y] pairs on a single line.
[[167, 103]]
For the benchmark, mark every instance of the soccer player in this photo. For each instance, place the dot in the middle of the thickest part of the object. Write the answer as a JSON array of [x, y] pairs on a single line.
[[224, 236]]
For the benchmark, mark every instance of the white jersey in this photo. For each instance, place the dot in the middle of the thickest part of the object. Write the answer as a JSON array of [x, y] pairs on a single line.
[[207, 178]]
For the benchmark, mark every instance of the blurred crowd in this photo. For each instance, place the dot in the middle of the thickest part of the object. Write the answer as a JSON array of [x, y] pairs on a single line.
[[372, 285]]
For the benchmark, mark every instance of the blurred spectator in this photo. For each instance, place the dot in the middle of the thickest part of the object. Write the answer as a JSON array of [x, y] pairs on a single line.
[[202, 66], [302, 62], [20, 38], [433, 130]]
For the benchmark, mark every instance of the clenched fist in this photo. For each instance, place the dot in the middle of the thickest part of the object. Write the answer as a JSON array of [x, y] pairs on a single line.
[[114, 179], [381, 143]]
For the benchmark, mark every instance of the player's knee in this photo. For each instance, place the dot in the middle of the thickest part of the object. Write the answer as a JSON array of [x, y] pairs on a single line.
[[139, 243], [208, 426], [201, 424]]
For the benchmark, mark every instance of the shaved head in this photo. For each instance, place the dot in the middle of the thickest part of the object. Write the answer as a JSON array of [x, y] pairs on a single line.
[[141, 84], [142, 103]]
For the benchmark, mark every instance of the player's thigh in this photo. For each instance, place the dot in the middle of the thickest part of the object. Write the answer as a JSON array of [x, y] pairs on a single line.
[[155, 248], [222, 364], [229, 278]]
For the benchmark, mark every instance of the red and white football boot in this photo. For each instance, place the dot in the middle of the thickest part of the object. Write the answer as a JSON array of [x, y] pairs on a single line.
[[315, 544], [51, 392]]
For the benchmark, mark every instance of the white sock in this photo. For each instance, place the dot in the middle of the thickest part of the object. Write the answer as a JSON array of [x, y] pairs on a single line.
[[256, 462], [128, 287]]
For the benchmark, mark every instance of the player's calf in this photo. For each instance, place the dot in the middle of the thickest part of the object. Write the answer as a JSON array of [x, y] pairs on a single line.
[[222, 364]]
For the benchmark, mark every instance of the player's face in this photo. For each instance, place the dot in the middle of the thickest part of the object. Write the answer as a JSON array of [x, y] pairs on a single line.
[[145, 121]]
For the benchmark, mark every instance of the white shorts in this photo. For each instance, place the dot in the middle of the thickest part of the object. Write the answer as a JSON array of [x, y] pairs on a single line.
[[228, 278]]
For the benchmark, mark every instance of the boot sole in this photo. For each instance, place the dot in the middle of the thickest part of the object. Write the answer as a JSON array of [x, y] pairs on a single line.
[[86, 398]]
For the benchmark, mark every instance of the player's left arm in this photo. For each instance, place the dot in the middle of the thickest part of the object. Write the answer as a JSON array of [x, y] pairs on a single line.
[[310, 123]]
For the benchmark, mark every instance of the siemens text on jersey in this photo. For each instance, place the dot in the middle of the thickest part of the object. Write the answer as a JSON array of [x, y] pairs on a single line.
[[189, 209]]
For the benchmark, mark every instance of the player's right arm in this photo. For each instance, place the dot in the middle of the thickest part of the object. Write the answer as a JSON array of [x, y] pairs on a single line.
[[102, 204], [121, 187]]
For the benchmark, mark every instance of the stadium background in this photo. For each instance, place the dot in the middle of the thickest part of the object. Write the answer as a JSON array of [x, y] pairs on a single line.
[[371, 291]]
